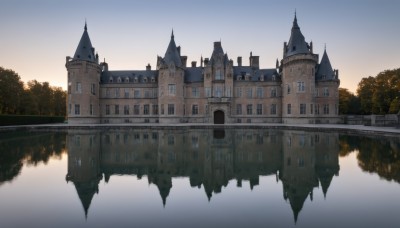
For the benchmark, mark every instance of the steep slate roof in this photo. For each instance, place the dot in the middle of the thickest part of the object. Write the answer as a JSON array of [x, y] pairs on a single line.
[[217, 53], [325, 71], [194, 74], [131, 74], [255, 75], [85, 50], [172, 55], [297, 43]]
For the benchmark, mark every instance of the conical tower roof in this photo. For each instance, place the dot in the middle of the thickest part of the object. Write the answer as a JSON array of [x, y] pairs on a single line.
[[172, 55], [325, 70], [297, 43], [85, 50], [86, 191]]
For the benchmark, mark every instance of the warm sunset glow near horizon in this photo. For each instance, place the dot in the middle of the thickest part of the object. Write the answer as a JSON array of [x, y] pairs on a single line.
[[361, 37]]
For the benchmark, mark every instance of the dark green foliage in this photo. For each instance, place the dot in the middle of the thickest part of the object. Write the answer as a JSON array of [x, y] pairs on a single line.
[[29, 120]]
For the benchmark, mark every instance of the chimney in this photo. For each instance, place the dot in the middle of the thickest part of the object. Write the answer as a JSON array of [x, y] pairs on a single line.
[[254, 61], [217, 44], [239, 61], [206, 60], [284, 49], [194, 63], [179, 50], [311, 47], [148, 67], [184, 60]]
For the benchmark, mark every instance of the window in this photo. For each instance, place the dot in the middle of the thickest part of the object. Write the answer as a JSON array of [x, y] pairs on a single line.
[[162, 109], [91, 109], [316, 92], [228, 92], [147, 93], [317, 109], [273, 109], [218, 75], [206, 108], [288, 88], [146, 109], [78, 87], [326, 109], [218, 91], [249, 92], [195, 92], [289, 109], [77, 109], [110, 79], [69, 108], [300, 87], [238, 109], [239, 92], [302, 109], [93, 89], [155, 109], [136, 93], [126, 80], [273, 92], [171, 89], [108, 93], [107, 109], [312, 108], [69, 87], [126, 109], [326, 92], [116, 109], [260, 92], [136, 109], [249, 109], [207, 91], [195, 109], [171, 109], [116, 92], [126, 93], [259, 109]]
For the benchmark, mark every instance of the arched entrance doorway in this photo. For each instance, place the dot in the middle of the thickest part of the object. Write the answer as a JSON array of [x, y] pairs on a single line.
[[219, 117]]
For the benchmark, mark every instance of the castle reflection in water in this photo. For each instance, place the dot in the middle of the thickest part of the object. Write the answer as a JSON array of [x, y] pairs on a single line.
[[301, 161]]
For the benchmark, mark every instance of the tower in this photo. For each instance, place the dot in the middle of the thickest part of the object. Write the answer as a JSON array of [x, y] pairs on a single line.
[[170, 84], [298, 78], [83, 83]]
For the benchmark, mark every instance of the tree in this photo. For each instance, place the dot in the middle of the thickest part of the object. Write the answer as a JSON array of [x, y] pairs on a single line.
[[365, 91], [348, 102], [11, 88]]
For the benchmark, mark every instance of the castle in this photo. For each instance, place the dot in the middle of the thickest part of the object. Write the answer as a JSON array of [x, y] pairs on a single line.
[[299, 90]]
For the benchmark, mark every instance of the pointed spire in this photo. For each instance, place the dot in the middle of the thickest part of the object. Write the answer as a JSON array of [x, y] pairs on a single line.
[[172, 54], [85, 25], [85, 50], [325, 70], [172, 34], [297, 43], [295, 25]]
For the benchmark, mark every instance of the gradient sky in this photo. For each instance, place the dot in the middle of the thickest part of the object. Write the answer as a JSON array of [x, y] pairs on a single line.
[[361, 36]]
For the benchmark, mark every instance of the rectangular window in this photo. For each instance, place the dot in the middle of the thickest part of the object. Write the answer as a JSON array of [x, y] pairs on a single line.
[[78, 87], [155, 93], [155, 109], [228, 92], [147, 93], [108, 93], [116, 109], [302, 109], [218, 91], [69, 108], [77, 109], [300, 87], [171, 109], [289, 109], [259, 109], [136, 93], [195, 110], [117, 92], [260, 92], [107, 109], [69, 87], [249, 92], [136, 109], [326, 92], [126, 109], [126, 93], [273, 92], [238, 92], [207, 91], [91, 109], [312, 108], [317, 109], [171, 89], [238, 109], [195, 92], [206, 108], [288, 88], [162, 109], [218, 75], [273, 109], [93, 89], [249, 109], [146, 109], [326, 109]]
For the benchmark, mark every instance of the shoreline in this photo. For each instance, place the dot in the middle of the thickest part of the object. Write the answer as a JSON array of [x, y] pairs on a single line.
[[341, 128]]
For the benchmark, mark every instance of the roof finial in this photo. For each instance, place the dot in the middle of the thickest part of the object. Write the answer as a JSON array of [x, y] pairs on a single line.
[[295, 19], [85, 25], [325, 47], [172, 34]]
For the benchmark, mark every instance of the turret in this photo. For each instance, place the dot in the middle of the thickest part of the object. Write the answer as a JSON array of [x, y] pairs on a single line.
[[83, 83]]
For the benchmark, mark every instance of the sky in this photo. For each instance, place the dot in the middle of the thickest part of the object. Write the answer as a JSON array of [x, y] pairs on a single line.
[[361, 36]]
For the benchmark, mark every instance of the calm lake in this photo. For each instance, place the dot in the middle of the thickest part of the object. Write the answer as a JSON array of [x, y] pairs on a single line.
[[198, 178]]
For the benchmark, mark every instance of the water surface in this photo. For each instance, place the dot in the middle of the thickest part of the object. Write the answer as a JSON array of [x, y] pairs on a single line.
[[198, 178]]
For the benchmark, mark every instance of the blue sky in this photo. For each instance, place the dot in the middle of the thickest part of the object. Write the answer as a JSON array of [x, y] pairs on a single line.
[[361, 36]]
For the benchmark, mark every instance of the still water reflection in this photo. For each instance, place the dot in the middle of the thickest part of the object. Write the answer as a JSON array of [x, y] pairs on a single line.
[[298, 164]]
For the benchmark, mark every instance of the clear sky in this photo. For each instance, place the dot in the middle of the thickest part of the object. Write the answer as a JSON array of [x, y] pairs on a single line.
[[361, 36]]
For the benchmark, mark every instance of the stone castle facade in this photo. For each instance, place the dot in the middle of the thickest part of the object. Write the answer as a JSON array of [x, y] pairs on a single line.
[[300, 89]]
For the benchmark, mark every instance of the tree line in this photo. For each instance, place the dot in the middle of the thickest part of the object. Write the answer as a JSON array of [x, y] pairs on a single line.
[[375, 95], [32, 98]]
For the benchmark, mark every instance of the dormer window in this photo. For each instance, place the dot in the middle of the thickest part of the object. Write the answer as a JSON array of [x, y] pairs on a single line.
[[294, 48], [262, 78], [110, 79], [273, 78], [126, 79], [119, 80], [135, 80], [239, 78], [145, 79], [153, 79]]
